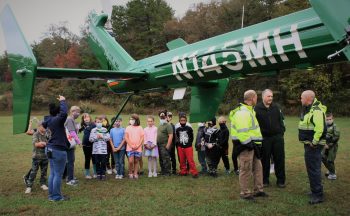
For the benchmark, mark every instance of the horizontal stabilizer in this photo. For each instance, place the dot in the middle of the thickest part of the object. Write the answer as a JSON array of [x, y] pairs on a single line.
[[336, 17], [176, 43], [61, 73], [206, 98]]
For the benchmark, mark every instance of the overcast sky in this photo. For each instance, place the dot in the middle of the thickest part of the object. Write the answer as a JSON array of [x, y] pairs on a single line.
[[35, 16]]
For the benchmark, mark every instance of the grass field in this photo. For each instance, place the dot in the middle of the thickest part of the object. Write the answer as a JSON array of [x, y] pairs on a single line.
[[171, 195]]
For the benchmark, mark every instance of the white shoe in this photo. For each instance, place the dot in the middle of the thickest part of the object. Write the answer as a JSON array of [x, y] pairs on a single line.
[[155, 174], [28, 190], [117, 177], [332, 177], [88, 177], [72, 183], [109, 172], [44, 187], [114, 171], [150, 175], [94, 176]]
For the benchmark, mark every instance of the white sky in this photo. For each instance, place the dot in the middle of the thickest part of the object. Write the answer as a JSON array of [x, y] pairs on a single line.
[[35, 16]]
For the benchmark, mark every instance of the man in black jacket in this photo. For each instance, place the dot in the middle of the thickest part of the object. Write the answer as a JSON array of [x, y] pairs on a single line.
[[272, 127]]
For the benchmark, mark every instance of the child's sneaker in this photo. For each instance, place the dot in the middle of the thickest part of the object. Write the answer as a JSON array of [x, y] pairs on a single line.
[[88, 177], [155, 174], [114, 171], [28, 190], [332, 177], [94, 176], [136, 176], [150, 175], [44, 187], [72, 183], [109, 171]]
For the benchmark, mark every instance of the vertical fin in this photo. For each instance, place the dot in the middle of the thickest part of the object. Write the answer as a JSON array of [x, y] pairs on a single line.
[[206, 98], [23, 68], [109, 53]]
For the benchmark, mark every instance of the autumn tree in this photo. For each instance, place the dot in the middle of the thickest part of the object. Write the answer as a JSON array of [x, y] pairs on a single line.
[[139, 26], [71, 59], [57, 42]]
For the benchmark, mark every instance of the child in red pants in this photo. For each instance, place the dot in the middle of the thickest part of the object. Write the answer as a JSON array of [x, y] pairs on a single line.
[[184, 139]]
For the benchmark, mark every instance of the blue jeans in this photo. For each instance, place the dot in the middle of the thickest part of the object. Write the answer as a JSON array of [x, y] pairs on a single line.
[[57, 164], [119, 162], [313, 160], [70, 164]]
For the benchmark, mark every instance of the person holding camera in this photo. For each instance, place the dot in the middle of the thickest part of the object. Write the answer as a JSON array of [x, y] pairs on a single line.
[[56, 149], [246, 135]]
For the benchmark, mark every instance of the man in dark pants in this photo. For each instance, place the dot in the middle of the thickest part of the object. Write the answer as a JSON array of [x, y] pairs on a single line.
[[312, 133], [235, 158], [271, 123]]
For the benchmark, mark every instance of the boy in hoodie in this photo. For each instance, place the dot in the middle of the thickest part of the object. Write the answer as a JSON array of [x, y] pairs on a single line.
[[40, 138], [330, 149], [184, 139], [212, 151], [99, 136], [223, 136]]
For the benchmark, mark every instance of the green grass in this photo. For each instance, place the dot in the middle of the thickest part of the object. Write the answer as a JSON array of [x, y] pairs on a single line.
[[171, 195]]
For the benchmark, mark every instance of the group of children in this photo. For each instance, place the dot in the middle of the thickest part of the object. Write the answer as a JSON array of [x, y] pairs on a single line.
[[136, 142]]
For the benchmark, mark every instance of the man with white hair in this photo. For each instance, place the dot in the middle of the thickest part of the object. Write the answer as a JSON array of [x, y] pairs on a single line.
[[272, 128], [312, 133], [245, 133]]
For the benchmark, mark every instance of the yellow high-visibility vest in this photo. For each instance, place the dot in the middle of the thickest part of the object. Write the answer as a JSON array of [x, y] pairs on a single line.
[[312, 125], [244, 125]]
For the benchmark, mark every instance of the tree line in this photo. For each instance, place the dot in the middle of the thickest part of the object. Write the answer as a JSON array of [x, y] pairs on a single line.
[[143, 27]]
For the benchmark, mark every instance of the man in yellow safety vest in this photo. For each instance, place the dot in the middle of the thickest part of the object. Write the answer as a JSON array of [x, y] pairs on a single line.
[[245, 133]]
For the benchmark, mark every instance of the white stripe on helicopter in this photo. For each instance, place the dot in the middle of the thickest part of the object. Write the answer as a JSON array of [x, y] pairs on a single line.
[[252, 51]]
